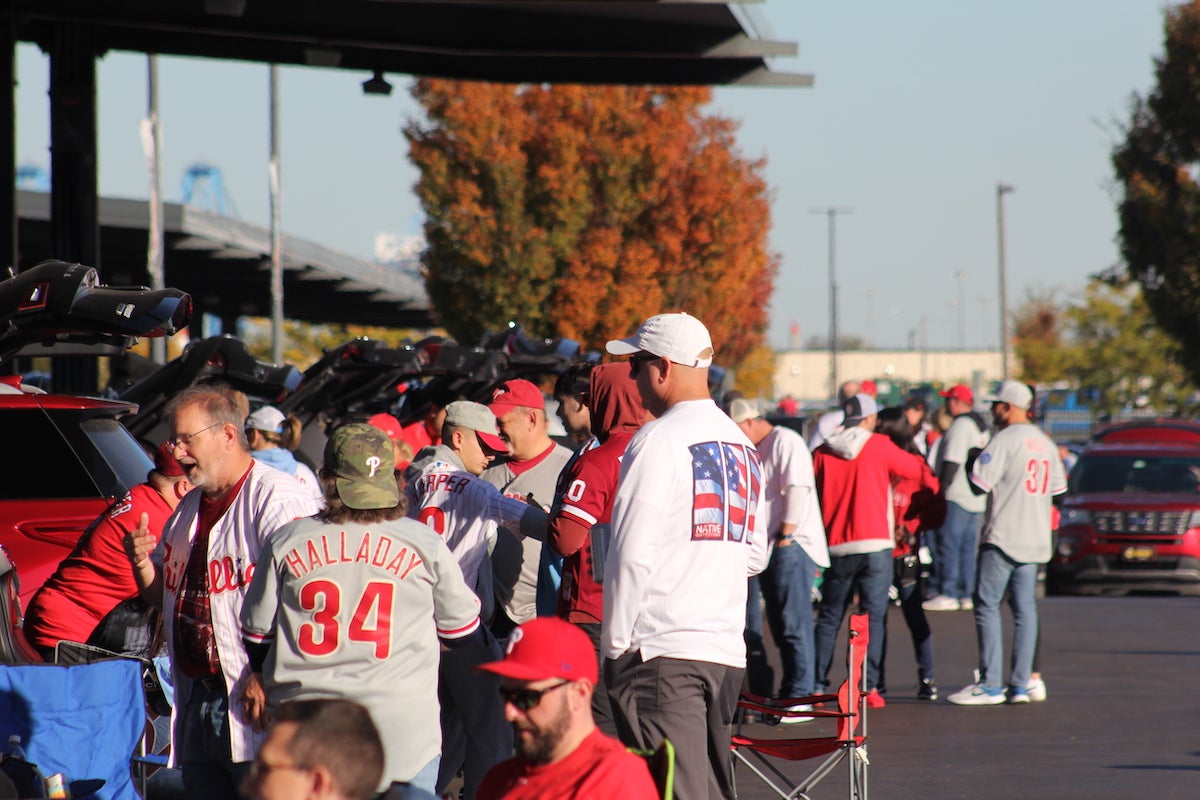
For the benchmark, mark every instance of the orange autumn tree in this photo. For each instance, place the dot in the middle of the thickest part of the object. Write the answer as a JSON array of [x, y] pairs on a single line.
[[579, 210]]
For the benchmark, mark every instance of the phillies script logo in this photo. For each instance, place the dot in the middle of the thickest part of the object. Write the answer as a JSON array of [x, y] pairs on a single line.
[[227, 573]]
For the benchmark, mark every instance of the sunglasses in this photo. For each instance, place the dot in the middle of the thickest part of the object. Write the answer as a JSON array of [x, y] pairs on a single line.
[[527, 699], [636, 362]]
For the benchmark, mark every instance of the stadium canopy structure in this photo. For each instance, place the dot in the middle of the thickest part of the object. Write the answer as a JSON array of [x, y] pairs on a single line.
[[604, 42]]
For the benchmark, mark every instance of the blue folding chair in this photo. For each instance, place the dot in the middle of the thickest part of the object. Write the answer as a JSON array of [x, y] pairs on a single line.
[[84, 721]]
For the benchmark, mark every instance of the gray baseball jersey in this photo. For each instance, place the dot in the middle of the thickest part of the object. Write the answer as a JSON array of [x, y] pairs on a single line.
[[1020, 470], [356, 611], [515, 561]]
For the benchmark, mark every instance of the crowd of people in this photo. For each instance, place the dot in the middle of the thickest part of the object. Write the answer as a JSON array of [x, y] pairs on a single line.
[[465, 605]]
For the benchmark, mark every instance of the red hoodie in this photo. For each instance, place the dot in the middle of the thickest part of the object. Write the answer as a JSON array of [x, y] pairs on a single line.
[[917, 508], [587, 487], [855, 471]]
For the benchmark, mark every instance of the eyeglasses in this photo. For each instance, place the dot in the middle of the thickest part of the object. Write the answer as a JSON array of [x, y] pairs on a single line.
[[185, 439], [636, 362], [260, 769], [527, 699]]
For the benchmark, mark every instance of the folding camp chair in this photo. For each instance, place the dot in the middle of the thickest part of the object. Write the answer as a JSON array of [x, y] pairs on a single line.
[[849, 742], [83, 721], [662, 767], [153, 750]]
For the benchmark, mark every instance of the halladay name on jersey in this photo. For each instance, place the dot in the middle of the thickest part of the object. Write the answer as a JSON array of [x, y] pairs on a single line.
[[374, 549]]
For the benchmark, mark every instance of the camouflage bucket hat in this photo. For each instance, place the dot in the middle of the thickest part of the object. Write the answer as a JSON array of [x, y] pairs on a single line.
[[361, 459]]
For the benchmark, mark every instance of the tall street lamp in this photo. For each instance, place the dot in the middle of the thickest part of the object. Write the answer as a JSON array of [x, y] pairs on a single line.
[[1001, 190], [832, 213]]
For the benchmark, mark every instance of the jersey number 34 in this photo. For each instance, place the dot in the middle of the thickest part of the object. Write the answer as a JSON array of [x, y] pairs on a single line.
[[370, 622]]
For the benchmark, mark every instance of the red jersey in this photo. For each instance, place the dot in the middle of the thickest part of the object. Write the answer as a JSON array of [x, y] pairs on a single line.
[[598, 769], [96, 576], [587, 487]]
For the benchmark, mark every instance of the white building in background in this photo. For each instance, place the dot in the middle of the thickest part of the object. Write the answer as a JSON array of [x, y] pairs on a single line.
[[804, 374]]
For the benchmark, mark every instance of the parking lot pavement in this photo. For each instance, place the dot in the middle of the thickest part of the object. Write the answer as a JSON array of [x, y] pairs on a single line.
[[1122, 719]]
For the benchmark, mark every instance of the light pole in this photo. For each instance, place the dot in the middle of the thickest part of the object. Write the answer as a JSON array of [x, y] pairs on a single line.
[[832, 213], [1001, 190], [961, 277]]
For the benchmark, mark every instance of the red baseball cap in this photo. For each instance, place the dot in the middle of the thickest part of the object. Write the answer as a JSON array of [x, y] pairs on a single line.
[[165, 462], [867, 387], [386, 423], [517, 393], [547, 647], [961, 392]]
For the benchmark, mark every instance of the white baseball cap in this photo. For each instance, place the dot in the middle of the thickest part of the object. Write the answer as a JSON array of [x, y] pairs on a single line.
[[1014, 393], [742, 409], [680, 338], [267, 418]]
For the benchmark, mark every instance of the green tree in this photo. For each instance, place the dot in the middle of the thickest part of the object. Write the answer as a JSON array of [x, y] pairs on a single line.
[[1118, 349], [1108, 342], [578, 211], [1159, 207]]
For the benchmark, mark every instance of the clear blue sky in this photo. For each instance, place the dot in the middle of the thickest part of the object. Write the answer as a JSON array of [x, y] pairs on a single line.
[[918, 110]]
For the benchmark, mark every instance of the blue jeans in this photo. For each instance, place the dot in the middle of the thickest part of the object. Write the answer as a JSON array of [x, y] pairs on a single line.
[[998, 572], [787, 592], [871, 574], [204, 753], [957, 541]]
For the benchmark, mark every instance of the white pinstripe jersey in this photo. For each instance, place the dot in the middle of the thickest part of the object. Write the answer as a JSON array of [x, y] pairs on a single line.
[[463, 508]]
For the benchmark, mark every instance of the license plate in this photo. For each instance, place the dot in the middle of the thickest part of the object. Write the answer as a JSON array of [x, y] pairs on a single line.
[[1137, 553]]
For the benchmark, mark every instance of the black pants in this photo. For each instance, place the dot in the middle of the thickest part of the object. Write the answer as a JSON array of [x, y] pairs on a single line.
[[475, 735], [689, 702]]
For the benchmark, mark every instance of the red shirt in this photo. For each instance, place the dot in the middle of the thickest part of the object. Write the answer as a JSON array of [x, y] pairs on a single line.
[[584, 496], [96, 577], [599, 768]]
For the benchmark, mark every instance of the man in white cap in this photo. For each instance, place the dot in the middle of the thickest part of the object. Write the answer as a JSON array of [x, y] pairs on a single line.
[[688, 528], [1020, 471], [793, 516]]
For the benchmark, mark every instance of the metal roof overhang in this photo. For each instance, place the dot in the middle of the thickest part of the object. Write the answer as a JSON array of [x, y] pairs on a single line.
[[225, 264], [615, 42]]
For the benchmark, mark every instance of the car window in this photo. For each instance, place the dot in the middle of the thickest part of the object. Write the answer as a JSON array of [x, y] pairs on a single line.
[[1117, 474], [58, 454]]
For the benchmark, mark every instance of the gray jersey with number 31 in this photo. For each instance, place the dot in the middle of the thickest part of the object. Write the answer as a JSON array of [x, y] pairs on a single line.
[[1020, 470]]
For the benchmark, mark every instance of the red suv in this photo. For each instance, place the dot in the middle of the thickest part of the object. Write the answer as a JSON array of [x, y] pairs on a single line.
[[67, 458], [1131, 514]]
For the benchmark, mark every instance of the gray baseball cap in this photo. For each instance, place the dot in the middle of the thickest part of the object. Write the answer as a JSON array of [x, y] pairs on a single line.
[[479, 418], [362, 461]]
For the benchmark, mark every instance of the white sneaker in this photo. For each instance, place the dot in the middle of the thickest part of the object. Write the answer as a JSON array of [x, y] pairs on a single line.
[[978, 695], [1037, 690], [791, 720], [966, 604], [940, 603]]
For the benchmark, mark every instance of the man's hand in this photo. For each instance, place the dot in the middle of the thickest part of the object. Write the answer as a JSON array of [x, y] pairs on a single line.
[[254, 702], [140, 543]]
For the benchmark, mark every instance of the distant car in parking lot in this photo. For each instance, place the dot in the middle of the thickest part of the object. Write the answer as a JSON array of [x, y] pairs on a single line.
[[1131, 514]]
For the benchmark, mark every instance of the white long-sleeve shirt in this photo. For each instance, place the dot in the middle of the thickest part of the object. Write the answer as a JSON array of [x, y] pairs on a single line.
[[688, 527]]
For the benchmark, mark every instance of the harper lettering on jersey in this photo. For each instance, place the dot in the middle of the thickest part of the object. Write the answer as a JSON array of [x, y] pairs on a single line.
[[726, 481], [377, 550], [450, 482]]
